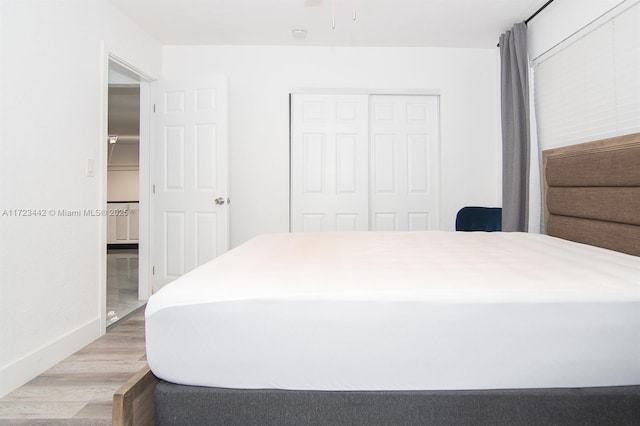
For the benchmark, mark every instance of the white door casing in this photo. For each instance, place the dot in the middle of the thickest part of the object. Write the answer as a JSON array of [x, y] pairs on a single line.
[[329, 162], [364, 162], [190, 204], [404, 179]]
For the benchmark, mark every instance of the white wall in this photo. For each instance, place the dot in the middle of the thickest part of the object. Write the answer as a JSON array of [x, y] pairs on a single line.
[[261, 78], [52, 109], [562, 19], [123, 185], [123, 175]]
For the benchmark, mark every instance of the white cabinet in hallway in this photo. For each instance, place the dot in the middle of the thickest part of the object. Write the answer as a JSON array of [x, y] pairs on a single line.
[[123, 223]]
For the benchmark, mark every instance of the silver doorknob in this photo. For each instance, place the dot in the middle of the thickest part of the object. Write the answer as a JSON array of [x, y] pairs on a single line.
[[219, 201]]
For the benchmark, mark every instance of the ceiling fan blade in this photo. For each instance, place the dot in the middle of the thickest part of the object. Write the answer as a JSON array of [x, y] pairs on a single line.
[[308, 3]]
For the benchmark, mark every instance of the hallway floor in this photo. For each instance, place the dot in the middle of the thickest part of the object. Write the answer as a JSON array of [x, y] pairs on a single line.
[[122, 283]]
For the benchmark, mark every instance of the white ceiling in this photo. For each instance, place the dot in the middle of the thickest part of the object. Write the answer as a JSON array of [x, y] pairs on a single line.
[[443, 23]]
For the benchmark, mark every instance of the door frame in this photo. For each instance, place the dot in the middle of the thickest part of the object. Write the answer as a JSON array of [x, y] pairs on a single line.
[[144, 242]]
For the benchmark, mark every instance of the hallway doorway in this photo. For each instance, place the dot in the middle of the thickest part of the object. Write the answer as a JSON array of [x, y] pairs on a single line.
[[123, 195]]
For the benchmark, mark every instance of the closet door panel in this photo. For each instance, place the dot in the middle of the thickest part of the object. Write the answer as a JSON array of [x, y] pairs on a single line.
[[404, 138], [384, 163], [329, 162]]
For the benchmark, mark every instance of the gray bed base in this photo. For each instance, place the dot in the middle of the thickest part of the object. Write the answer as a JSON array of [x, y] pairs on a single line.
[[192, 405]]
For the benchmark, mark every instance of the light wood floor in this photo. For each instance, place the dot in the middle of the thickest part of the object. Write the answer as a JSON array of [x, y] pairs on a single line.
[[79, 390]]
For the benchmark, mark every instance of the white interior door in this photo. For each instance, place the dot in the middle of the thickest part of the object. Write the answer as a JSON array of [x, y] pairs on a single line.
[[189, 176], [405, 163], [329, 162]]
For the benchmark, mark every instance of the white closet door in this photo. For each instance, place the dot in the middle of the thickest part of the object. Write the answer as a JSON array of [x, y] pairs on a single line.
[[329, 162], [404, 155]]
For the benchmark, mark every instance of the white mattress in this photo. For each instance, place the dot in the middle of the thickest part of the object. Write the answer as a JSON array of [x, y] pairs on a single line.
[[401, 311]]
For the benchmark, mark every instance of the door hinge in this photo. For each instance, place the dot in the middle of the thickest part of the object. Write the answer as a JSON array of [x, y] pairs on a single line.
[[154, 188], [154, 107], [153, 270]]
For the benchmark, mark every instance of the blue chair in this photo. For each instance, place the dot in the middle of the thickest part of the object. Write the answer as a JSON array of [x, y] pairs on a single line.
[[487, 219]]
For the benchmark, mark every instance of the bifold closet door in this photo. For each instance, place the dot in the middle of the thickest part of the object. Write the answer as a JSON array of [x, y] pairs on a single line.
[[404, 178], [329, 162]]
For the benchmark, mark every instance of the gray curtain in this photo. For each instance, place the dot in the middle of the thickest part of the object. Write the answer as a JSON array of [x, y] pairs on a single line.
[[514, 74]]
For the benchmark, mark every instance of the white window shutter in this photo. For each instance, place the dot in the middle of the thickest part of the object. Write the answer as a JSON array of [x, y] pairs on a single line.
[[590, 89]]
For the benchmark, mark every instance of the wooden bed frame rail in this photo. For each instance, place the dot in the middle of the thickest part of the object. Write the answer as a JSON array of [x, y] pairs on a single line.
[[134, 403]]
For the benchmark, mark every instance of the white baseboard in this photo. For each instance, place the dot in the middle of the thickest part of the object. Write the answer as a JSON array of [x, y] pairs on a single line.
[[20, 372]]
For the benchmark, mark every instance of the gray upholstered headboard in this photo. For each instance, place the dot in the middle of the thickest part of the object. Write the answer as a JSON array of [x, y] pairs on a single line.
[[592, 193]]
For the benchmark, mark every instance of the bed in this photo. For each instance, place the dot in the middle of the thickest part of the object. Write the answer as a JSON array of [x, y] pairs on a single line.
[[420, 328]]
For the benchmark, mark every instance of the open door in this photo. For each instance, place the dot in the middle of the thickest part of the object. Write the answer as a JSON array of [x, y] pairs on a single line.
[[189, 177]]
